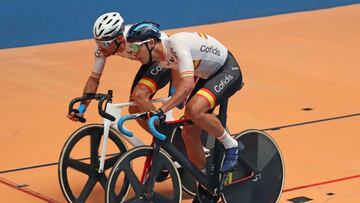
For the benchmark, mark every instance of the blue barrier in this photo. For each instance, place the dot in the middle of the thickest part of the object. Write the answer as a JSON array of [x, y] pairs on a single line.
[[24, 23]]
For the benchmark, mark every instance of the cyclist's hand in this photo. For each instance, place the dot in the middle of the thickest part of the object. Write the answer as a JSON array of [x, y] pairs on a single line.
[[159, 113], [78, 114], [172, 92], [74, 116]]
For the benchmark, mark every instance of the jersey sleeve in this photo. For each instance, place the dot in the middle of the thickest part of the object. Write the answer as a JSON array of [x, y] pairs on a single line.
[[183, 57]]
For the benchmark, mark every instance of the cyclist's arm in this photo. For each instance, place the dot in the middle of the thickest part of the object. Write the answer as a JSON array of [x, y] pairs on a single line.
[[91, 86], [174, 79], [183, 79], [93, 81], [183, 90]]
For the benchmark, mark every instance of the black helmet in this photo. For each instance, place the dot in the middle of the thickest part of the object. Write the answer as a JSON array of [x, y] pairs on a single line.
[[143, 31]]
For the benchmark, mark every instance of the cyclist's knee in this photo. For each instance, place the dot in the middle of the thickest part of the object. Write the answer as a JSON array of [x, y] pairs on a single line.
[[194, 113], [139, 97], [133, 109]]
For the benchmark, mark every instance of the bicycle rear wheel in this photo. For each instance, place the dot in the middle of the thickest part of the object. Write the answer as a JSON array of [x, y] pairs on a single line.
[[79, 161], [262, 152]]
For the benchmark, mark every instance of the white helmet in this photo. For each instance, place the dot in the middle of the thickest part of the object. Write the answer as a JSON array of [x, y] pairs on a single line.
[[108, 26]]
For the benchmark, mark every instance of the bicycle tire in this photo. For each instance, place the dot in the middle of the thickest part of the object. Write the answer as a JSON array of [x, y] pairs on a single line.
[[95, 131]]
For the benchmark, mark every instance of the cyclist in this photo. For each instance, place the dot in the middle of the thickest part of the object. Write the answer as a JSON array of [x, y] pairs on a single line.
[[109, 33], [205, 72]]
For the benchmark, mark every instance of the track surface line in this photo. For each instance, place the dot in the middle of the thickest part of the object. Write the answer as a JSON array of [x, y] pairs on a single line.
[[321, 183], [27, 191]]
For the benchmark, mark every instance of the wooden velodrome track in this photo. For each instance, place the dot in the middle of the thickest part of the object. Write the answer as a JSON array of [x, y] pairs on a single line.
[[302, 82]]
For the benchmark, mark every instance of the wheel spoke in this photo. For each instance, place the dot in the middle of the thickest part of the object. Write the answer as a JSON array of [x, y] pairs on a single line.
[[94, 148], [155, 169], [103, 181], [123, 191], [79, 166], [110, 162], [89, 186], [134, 181]]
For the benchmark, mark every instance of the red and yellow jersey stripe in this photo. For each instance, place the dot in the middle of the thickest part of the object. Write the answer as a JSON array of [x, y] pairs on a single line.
[[208, 96], [150, 84], [187, 74], [202, 35], [196, 64]]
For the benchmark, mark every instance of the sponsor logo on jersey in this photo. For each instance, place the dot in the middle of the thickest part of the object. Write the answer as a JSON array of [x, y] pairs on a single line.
[[173, 57], [223, 83], [211, 49], [173, 52], [156, 70]]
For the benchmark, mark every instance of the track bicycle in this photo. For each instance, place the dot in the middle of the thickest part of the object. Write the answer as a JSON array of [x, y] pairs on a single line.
[[257, 178], [79, 159]]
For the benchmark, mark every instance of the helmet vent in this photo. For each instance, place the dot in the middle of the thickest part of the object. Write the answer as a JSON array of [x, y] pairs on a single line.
[[111, 31], [105, 18], [116, 22], [109, 21]]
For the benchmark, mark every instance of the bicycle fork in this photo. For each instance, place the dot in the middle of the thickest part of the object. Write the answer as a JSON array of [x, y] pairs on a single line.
[[107, 124], [148, 175]]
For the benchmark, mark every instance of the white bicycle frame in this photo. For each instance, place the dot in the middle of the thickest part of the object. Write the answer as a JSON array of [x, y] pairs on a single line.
[[115, 109]]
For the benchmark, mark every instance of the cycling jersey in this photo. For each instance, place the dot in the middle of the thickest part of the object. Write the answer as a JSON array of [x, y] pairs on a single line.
[[198, 54], [193, 54]]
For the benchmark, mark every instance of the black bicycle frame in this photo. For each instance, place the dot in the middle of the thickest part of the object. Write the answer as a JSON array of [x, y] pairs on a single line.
[[210, 182]]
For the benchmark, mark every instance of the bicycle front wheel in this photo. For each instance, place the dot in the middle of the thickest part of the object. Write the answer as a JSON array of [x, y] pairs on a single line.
[[79, 163], [130, 167], [266, 184]]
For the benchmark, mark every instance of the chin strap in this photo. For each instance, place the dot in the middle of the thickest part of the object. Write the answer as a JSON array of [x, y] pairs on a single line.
[[150, 53], [117, 46]]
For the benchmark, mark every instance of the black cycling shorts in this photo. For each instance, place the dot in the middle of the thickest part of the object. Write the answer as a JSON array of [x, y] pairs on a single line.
[[153, 76], [222, 85]]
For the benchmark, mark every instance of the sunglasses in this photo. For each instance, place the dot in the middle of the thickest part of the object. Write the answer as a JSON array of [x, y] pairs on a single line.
[[105, 44], [135, 47]]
